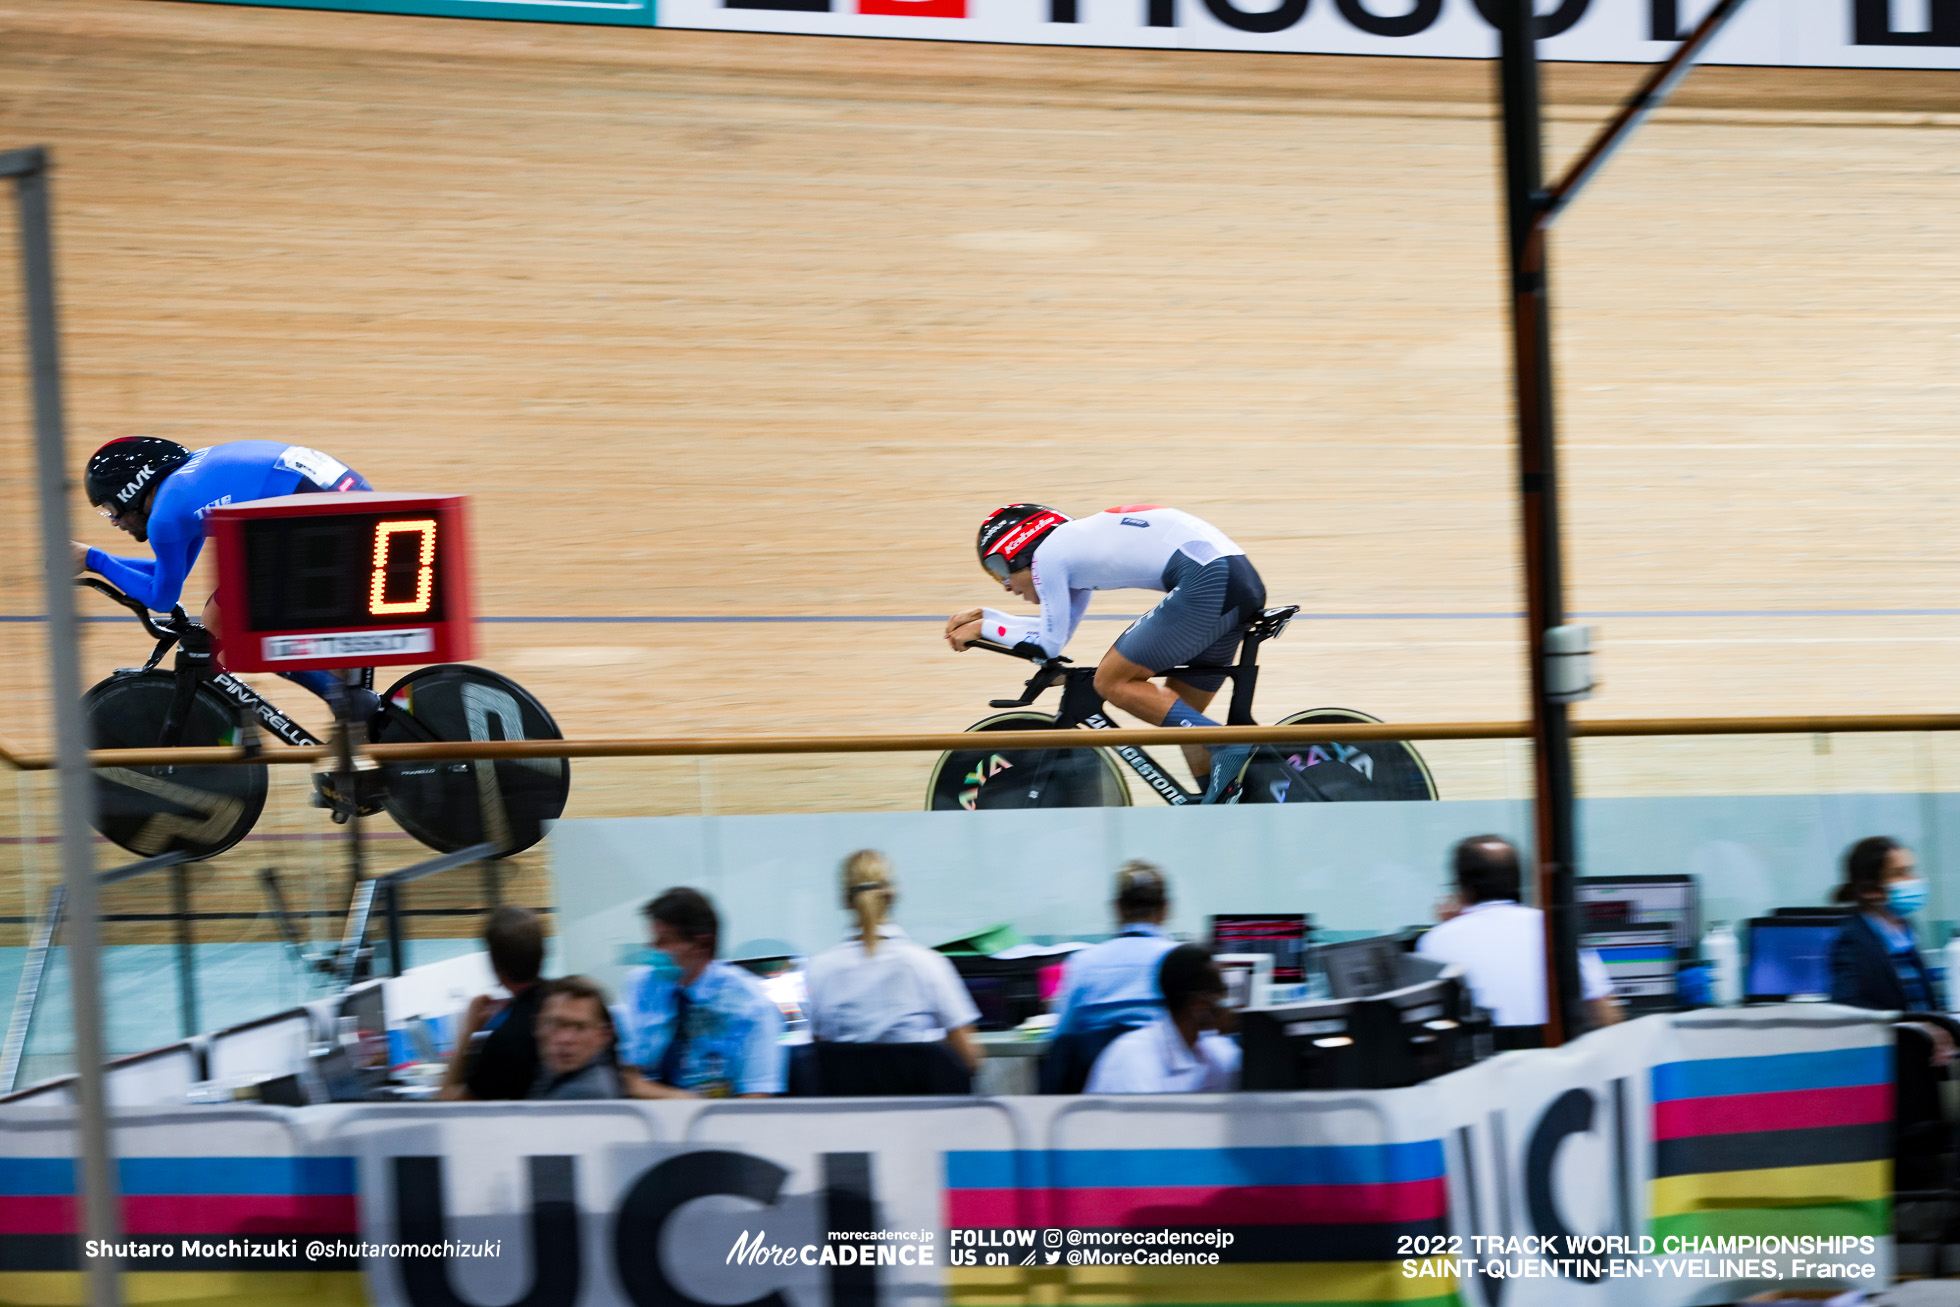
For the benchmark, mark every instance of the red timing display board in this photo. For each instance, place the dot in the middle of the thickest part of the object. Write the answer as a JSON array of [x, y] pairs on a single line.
[[342, 580]]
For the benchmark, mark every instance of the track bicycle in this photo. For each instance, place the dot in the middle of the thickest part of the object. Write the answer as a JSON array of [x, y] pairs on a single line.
[[1318, 769], [204, 810]]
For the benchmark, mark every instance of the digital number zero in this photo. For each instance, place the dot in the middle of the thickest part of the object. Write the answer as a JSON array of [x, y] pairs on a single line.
[[390, 572]]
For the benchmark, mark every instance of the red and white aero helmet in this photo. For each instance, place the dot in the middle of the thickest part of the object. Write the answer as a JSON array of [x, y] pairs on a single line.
[[1010, 535]]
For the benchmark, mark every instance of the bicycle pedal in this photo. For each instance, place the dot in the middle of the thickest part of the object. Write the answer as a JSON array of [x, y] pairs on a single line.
[[369, 797]]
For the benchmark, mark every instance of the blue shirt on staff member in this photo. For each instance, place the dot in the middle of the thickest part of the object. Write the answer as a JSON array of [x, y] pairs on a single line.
[[235, 473], [730, 1032], [1114, 983]]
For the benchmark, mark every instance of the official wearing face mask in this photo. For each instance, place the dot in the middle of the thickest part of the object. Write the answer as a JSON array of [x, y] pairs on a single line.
[[1875, 961]]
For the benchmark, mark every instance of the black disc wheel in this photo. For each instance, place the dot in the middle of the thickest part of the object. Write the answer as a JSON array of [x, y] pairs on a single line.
[[983, 778], [201, 811], [1323, 769], [452, 805]]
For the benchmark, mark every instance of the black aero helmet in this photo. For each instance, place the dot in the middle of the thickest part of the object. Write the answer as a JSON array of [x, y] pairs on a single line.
[[1010, 535], [120, 471]]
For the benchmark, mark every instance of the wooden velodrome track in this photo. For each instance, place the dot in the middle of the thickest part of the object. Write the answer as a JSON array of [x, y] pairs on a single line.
[[726, 327]]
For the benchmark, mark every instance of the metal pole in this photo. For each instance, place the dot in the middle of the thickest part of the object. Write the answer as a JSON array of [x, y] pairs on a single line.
[[1652, 94], [394, 893], [1556, 851], [180, 891], [348, 803], [77, 796]]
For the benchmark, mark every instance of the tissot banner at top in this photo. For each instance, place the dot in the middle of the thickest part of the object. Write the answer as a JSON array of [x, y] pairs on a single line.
[[1795, 33]]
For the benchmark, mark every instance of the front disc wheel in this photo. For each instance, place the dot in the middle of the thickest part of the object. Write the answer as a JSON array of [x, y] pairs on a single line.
[[976, 779], [200, 811]]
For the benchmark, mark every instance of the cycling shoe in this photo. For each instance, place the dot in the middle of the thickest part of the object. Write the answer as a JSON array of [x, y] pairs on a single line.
[[1226, 764], [363, 704]]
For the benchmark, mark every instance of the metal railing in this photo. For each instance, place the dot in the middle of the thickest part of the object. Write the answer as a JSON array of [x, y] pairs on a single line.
[[941, 741]]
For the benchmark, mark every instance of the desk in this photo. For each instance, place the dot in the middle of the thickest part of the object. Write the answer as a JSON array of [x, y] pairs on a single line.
[[1012, 1064]]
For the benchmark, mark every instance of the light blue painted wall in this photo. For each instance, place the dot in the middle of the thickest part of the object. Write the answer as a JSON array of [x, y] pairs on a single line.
[[1362, 868], [1359, 868]]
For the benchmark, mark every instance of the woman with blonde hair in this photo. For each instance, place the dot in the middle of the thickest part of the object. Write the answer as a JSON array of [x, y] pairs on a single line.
[[888, 1016]]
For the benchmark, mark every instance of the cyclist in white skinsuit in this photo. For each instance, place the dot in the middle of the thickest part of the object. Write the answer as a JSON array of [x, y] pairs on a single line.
[[1211, 593]]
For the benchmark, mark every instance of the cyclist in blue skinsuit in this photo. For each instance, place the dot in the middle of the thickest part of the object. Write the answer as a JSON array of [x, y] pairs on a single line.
[[158, 491]]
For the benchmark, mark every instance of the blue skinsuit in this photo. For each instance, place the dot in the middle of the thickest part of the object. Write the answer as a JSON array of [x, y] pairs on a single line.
[[235, 473]]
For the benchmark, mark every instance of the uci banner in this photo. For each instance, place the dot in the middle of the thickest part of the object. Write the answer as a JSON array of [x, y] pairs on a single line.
[[1794, 33], [1669, 1161]]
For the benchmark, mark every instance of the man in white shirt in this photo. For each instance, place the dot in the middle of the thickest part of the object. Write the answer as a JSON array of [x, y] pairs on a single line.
[[1500, 944], [1180, 1052]]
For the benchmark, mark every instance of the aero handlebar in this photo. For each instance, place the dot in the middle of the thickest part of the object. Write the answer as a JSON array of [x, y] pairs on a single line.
[[178, 619], [1050, 671]]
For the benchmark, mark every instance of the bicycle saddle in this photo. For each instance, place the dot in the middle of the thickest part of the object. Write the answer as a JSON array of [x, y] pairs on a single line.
[[1270, 623]]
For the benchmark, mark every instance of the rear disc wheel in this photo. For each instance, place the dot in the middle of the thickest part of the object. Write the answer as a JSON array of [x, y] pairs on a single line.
[[977, 779], [452, 805], [1321, 769]]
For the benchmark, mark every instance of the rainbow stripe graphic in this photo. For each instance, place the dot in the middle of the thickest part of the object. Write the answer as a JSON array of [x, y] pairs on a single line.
[[1793, 1144], [178, 1199], [1310, 1225]]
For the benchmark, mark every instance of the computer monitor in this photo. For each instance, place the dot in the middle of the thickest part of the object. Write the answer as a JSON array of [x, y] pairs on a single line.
[[1641, 961], [362, 1015], [353, 1063], [1282, 934], [1362, 968], [1789, 957], [1006, 990], [1248, 978], [1399, 1037], [1612, 903], [783, 981]]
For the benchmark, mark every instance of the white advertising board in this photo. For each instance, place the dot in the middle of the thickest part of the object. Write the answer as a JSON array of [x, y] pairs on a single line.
[[1793, 33], [1671, 1161]]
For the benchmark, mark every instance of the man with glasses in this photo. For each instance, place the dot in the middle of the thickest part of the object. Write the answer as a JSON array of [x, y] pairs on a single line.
[[1211, 594], [158, 492], [575, 1043]]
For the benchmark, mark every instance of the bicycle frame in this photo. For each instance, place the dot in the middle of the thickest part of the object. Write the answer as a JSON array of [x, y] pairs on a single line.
[[1082, 706], [196, 664]]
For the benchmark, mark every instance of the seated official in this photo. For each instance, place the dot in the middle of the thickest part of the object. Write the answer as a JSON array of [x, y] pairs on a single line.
[[1110, 988], [575, 1043], [1500, 944], [888, 1016], [1875, 961], [504, 1064], [1179, 1052], [698, 1027]]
